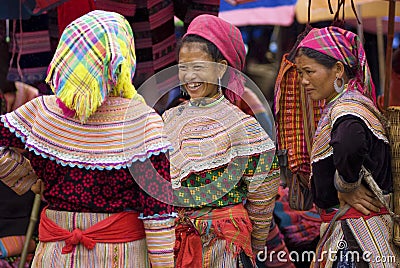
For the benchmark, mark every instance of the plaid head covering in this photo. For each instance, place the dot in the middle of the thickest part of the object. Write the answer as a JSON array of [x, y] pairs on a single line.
[[228, 39], [95, 58], [345, 46]]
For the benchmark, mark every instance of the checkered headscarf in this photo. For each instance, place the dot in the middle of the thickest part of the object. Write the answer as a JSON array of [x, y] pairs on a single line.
[[345, 46], [95, 58]]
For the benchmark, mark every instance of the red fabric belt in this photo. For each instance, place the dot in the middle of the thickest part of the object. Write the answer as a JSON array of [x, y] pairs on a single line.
[[352, 213], [230, 223], [118, 228]]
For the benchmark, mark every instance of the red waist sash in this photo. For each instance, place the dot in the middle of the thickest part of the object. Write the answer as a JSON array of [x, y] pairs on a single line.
[[352, 213], [118, 228], [230, 223]]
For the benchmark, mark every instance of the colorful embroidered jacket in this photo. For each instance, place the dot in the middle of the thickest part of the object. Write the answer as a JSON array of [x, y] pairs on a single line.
[[221, 157], [88, 167], [84, 167], [349, 135]]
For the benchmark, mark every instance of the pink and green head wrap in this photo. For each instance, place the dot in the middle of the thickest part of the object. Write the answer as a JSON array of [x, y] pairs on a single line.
[[344, 46], [95, 58]]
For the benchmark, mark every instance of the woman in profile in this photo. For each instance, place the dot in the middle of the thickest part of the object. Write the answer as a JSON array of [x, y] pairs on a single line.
[[351, 160]]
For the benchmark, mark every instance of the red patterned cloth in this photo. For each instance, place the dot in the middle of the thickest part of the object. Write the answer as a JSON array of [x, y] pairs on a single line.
[[114, 229], [71, 10], [352, 213], [296, 118], [230, 223], [188, 247], [300, 228]]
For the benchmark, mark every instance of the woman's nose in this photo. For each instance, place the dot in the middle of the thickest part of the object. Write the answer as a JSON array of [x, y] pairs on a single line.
[[304, 81], [189, 75]]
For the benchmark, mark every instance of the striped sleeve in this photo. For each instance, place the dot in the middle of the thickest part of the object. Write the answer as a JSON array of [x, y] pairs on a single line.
[[16, 171], [260, 203], [160, 238]]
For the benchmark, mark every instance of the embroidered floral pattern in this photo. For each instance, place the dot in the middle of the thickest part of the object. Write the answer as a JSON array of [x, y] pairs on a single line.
[[80, 189]]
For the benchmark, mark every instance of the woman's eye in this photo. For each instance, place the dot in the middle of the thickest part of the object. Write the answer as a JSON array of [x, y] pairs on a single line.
[[182, 67], [198, 67]]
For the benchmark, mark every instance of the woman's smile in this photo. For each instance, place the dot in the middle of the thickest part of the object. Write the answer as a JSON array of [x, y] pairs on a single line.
[[197, 71], [193, 86]]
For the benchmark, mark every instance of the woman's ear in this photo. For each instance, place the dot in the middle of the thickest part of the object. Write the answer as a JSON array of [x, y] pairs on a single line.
[[222, 67], [339, 69]]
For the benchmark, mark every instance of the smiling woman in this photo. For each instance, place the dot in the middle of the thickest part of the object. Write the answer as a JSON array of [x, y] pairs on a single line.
[[197, 72], [222, 156]]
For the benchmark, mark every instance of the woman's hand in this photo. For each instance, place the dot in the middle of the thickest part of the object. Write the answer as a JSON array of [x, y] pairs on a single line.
[[38, 187], [361, 199], [10, 100], [23, 94]]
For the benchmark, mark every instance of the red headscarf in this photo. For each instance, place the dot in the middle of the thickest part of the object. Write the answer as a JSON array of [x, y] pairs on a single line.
[[345, 46], [228, 39]]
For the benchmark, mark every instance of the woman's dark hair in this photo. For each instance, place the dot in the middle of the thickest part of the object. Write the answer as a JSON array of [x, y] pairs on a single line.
[[324, 60], [211, 48]]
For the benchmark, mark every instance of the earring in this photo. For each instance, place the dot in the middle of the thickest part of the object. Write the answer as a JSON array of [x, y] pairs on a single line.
[[219, 85], [183, 91], [335, 85]]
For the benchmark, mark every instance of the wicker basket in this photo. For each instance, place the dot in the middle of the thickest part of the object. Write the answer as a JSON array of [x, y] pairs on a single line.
[[393, 116]]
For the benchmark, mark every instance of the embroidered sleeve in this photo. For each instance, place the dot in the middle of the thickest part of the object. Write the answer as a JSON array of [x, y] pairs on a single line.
[[158, 216], [262, 191], [15, 169], [160, 238], [155, 179], [350, 147]]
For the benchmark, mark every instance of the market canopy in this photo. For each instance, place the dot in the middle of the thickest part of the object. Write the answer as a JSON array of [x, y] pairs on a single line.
[[258, 12], [320, 10]]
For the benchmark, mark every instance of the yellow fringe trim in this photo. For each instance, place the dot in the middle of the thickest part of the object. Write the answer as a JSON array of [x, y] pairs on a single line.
[[124, 86], [82, 94]]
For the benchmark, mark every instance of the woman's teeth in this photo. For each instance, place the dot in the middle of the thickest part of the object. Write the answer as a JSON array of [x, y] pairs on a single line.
[[193, 85]]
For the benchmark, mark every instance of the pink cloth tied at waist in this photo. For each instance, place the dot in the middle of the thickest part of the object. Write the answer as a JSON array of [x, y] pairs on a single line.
[[118, 228]]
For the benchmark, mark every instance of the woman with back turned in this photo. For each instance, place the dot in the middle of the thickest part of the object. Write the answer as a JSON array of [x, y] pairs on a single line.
[[81, 142]]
